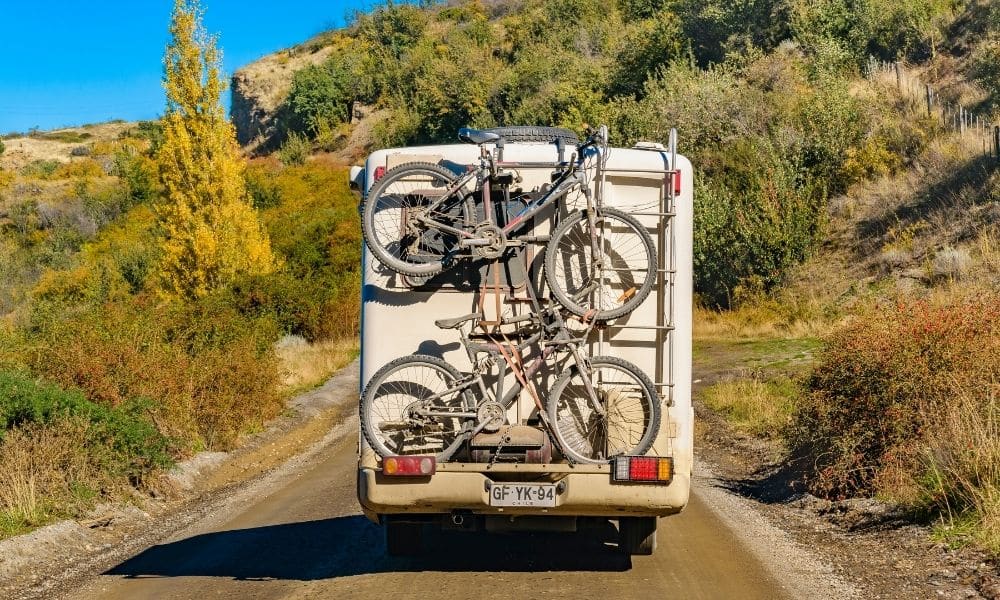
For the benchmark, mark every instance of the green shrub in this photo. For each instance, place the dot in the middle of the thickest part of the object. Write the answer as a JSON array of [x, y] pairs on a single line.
[[151, 131], [642, 9], [261, 189], [209, 369], [295, 150], [122, 438], [643, 50], [136, 174], [986, 66], [316, 230], [2, 147], [715, 28], [751, 227], [42, 169], [320, 96]]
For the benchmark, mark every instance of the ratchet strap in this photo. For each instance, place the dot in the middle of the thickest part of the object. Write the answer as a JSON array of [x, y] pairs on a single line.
[[513, 359]]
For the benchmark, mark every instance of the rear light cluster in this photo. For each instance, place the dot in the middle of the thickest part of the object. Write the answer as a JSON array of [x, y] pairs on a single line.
[[648, 469], [409, 466], [379, 172]]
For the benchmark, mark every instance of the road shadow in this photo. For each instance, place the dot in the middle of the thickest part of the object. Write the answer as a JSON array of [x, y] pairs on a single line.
[[778, 483], [352, 545]]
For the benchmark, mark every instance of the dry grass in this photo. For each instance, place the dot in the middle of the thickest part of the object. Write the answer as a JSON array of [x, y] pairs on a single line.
[[787, 317], [305, 365], [987, 249], [752, 404], [46, 472], [965, 461], [24, 150]]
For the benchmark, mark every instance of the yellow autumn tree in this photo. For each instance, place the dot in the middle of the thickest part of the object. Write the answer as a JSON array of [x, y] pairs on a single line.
[[212, 233]]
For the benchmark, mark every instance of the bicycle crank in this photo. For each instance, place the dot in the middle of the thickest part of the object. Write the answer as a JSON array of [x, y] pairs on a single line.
[[492, 415], [489, 243]]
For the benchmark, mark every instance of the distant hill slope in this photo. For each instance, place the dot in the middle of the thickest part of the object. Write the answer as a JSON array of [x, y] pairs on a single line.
[[259, 88], [58, 144], [845, 161]]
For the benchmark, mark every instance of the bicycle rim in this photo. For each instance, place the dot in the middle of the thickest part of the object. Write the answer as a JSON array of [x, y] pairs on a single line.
[[387, 416], [620, 278], [628, 425], [397, 239]]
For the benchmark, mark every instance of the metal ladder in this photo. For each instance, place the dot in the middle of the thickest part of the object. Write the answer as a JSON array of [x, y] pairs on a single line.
[[666, 268]]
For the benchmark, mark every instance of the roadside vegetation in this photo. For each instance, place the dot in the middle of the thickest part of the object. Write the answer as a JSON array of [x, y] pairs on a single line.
[[903, 404], [144, 317]]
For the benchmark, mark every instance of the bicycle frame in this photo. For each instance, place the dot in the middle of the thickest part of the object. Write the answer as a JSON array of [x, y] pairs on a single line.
[[569, 179], [562, 337]]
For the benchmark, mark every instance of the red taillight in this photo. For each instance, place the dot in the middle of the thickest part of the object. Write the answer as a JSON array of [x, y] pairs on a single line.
[[379, 172], [642, 469], [650, 469], [677, 183], [409, 466]]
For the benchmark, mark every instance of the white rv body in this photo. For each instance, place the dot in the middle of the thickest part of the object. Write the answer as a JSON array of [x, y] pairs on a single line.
[[398, 320]]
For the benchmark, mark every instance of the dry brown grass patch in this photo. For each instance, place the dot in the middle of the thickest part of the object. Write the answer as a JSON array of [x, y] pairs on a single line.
[[303, 364], [965, 459], [785, 318]]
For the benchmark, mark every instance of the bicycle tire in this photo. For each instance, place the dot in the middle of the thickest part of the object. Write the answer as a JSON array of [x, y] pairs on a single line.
[[374, 434], [545, 135], [578, 444], [379, 241], [569, 247]]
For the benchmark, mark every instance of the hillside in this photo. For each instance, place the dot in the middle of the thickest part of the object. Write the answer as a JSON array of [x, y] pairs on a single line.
[[259, 89], [851, 149]]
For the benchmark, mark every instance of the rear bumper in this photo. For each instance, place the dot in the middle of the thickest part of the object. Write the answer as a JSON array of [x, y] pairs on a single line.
[[584, 494]]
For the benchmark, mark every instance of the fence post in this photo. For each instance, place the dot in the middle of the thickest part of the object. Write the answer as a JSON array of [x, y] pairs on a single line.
[[930, 100], [996, 140], [899, 78], [961, 120]]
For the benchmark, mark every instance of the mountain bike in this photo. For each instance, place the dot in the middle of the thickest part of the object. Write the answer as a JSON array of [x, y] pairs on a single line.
[[421, 218], [598, 408]]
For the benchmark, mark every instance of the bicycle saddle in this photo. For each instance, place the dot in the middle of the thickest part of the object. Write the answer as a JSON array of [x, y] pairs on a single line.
[[476, 136], [453, 323]]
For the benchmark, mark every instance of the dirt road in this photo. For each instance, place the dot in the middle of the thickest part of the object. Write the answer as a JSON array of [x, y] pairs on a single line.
[[299, 534], [307, 540]]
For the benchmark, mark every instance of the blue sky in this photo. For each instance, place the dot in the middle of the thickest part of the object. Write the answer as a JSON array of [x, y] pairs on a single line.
[[70, 62]]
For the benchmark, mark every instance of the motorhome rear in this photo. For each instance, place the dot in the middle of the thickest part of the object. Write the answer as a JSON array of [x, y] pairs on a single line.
[[493, 485]]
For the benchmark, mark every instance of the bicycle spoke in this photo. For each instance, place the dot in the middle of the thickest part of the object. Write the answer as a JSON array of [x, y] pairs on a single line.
[[612, 283], [627, 420], [396, 409]]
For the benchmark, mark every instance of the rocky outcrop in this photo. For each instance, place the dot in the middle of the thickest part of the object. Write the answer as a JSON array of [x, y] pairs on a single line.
[[259, 90]]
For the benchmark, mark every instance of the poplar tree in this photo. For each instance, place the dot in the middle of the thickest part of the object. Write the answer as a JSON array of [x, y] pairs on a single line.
[[211, 232]]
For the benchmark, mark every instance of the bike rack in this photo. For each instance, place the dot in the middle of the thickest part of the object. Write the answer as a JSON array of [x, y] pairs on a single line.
[[666, 268]]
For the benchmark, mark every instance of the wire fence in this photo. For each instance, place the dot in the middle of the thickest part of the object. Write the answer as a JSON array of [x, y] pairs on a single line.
[[979, 132]]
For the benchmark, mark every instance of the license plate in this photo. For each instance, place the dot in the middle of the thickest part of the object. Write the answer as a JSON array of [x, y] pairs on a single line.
[[523, 494]]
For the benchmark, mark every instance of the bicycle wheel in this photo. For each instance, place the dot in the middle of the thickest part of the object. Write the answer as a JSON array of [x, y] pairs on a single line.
[[614, 284], [391, 402], [389, 223], [631, 418]]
